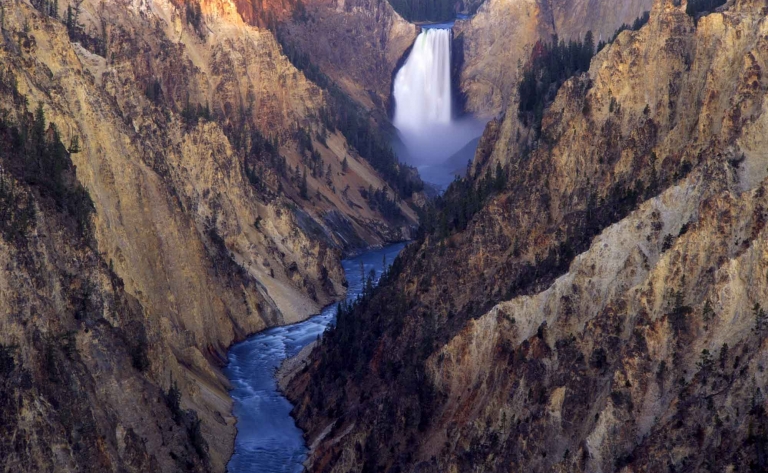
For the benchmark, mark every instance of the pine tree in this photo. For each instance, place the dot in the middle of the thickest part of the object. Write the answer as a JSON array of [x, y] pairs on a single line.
[[173, 401], [38, 129], [589, 49], [74, 145], [501, 178], [761, 319], [70, 21], [303, 185]]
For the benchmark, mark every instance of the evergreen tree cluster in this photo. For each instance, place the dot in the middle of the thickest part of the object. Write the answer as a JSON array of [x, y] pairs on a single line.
[[309, 155], [192, 114], [550, 65], [195, 18], [191, 423], [77, 33], [696, 7], [347, 348], [17, 211], [154, 91], [262, 158], [347, 117], [348, 331], [31, 152], [379, 199], [263, 165], [48, 7], [71, 19], [303, 190], [636, 25], [311, 159], [452, 211], [194, 15], [425, 10]]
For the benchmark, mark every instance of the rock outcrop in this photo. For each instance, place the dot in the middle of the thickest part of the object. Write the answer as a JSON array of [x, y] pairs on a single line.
[[223, 204], [605, 311], [496, 43], [358, 43]]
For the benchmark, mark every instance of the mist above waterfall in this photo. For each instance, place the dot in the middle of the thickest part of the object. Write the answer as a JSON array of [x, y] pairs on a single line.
[[424, 114]]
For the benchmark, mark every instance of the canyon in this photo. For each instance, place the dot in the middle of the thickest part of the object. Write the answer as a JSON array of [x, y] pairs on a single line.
[[176, 176], [222, 203], [604, 310]]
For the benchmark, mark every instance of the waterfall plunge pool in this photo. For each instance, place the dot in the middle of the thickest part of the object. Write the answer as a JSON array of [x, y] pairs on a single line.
[[268, 440]]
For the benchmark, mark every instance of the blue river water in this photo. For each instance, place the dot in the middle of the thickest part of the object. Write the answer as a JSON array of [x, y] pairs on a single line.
[[268, 440]]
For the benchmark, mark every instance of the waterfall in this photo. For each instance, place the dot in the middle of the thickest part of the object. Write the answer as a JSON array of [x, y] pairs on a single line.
[[429, 136], [423, 85]]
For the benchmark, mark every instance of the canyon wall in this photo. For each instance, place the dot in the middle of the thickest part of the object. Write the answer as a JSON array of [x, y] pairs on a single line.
[[498, 40], [223, 203], [604, 312], [357, 43]]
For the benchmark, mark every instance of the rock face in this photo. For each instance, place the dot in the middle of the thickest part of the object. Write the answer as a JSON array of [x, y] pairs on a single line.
[[605, 311], [196, 136], [358, 43], [497, 41]]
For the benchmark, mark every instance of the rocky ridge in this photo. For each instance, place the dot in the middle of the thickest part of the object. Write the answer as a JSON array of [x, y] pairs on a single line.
[[497, 41]]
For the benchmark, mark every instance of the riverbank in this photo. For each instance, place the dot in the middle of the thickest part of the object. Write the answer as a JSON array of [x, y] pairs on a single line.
[[291, 366]]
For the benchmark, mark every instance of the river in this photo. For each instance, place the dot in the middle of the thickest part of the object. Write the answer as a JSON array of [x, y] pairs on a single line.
[[268, 440]]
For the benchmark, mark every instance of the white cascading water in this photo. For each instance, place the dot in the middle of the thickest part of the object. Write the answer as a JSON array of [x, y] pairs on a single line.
[[430, 138], [423, 85]]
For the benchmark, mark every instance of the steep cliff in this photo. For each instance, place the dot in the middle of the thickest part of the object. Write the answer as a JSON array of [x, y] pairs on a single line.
[[497, 41], [358, 43], [604, 311], [223, 201]]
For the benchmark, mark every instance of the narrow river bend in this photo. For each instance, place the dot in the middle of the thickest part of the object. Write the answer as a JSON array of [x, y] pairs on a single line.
[[268, 440]]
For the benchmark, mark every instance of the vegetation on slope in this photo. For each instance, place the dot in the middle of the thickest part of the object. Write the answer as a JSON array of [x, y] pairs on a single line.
[[45, 223], [636, 25], [33, 154], [370, 374], [355, 124], [696, 7], [550, 65]]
